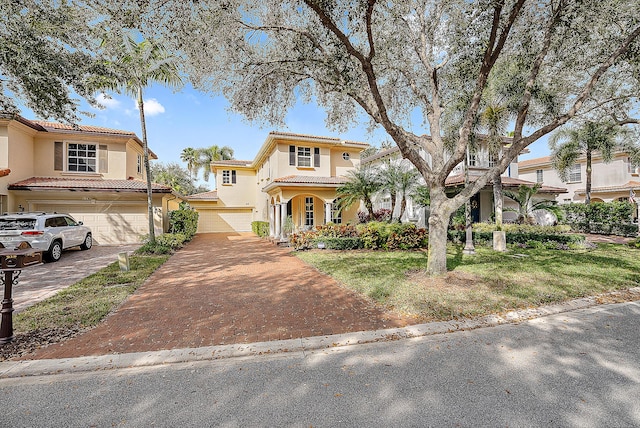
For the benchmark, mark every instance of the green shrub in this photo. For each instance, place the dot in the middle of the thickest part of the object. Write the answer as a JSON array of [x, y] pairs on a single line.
[[338, 243], [164, 244], [523, 238], [260, 228], [608, 218], [635, 243], [184, 221]]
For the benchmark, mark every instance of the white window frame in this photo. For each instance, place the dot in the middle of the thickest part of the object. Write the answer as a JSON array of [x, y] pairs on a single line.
[[493, 159], [139, 164], [82, 160], [308, 211], [304, 157], [226, 176], [575, 173], [473, 159], [346, 156], [539, 175], [336, 213]]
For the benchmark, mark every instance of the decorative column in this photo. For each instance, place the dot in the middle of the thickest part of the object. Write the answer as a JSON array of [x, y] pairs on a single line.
[[278, 222], [327, 212], [283, 218], [272, 231]]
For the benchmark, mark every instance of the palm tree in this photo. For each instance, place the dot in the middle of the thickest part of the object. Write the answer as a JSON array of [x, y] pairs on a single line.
[[527, 205], [582, 141], [361, 184], [389, 176], [407, 185], [190, 156], [205, 156], [136, 66]]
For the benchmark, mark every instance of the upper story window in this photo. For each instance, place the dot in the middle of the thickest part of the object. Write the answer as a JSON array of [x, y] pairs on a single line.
[[82, 157], [346, 156], [493, 160], [228, 177], [632, 167], [301, 157], [304, 156], [575, 174], [473, 160], [139, 164], [539, 176]]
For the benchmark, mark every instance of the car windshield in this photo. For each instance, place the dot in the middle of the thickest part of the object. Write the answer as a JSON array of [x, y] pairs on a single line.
[[17, 224]]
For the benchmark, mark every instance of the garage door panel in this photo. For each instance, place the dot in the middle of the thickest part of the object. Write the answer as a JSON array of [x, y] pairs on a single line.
[[109, 224], [224, 221]]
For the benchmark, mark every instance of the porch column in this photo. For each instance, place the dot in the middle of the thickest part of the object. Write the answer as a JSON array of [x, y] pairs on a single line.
[[283, 218], [327, 212], [278, 222], [272, 231]]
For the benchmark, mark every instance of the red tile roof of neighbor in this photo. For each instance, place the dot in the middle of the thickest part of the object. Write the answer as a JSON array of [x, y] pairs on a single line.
[[4, 172], [205, 196], [456, 180], [292, 134], [55, 126], [537, 161], [631, 185], [231, 162], [72, 184], [307, 179]]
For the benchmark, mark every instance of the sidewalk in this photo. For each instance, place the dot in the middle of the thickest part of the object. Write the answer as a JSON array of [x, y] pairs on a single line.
[[226, 289]]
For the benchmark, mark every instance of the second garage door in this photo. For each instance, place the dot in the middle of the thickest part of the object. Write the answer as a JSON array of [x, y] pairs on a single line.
[[109, 224], [237, 220]]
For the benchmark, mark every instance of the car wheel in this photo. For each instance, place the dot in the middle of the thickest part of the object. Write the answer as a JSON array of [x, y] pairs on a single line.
[[88, 242], [55, 252]]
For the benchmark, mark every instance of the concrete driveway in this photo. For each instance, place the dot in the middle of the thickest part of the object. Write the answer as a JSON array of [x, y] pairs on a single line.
[[39, 282]]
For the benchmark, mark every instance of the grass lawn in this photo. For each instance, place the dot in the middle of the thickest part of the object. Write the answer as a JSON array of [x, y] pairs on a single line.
[[488, 282], [88, 301]]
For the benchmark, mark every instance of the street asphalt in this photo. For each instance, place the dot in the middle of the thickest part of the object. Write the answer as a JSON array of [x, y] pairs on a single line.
[[572, 369]]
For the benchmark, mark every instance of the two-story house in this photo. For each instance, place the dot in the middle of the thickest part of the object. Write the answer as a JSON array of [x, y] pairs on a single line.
[[95, 174], [482, 204], [617, 180], [291, 182]]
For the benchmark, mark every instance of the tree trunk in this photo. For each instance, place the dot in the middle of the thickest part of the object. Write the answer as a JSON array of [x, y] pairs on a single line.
[[393, 197], [147, 168], [498, 200], [438, 225], [587, 195], [403, 207]]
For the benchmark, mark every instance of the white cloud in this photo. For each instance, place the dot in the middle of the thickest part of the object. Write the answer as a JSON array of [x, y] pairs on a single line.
[[107, 102], [152, 107]]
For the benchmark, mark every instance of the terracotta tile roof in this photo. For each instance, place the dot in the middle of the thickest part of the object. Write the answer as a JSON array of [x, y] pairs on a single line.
[[334, 139], [56, 183], [232, 162], [631, 185], [55, 126], [456, 180], [537, 161], [309, 179], [205, 196], [4, 172]]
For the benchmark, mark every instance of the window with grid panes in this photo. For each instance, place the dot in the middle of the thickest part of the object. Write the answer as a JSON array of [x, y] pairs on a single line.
[[308, 211], [304, 156], [81, 157]]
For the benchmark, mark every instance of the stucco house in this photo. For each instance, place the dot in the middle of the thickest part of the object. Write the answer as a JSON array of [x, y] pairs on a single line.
[[617, 180], [95, 174], [293, 176], [482, 206]]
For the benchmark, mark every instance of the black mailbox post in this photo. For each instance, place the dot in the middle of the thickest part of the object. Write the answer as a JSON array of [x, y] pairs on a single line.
[[12, 261]]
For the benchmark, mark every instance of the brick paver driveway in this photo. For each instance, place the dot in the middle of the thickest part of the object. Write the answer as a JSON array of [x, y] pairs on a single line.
[[223, 289]]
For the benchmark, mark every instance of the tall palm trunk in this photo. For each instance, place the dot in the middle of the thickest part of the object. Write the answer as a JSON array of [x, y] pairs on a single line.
[[497, 199], [147, 168], [394, 197], [587, 196]]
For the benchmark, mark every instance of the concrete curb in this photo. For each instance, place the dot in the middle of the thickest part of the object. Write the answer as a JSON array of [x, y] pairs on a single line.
[[14, 369]]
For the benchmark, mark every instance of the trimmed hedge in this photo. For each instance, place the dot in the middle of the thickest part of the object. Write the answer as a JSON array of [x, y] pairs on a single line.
[[184, 221], [607, 218], [260, 228], [338, 243], [519, 238]]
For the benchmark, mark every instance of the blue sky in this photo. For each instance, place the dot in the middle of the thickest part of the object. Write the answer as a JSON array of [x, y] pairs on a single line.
[[188, 118]]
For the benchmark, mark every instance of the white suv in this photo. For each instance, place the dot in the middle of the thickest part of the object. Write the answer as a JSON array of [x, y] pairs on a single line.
[[50, 233]]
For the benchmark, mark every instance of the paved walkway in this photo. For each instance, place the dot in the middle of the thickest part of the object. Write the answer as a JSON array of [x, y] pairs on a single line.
[[36, 283], [227, 289]]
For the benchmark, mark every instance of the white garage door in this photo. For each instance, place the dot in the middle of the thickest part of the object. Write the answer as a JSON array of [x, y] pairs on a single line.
[[110, 224], [224, 220]]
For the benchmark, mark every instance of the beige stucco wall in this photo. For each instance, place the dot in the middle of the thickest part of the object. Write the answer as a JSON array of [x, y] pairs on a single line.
[[339, 166], [242, 194]]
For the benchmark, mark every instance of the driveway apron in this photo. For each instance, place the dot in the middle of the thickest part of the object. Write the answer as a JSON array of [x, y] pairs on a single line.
[[225, 289]]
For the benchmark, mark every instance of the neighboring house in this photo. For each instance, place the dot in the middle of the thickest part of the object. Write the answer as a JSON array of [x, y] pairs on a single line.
[[95, 174], [293, 176], [482, 206], [613, 181]]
